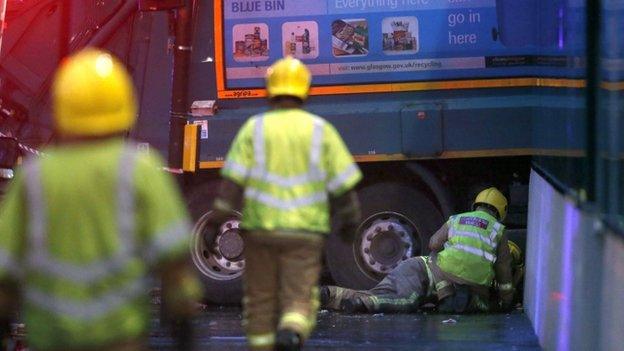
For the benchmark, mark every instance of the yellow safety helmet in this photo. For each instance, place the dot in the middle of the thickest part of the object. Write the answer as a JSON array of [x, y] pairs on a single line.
[[93, 95], [290, 77], [494, 198]]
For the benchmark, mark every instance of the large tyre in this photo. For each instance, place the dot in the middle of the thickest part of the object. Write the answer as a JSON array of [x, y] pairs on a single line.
[[397, 222], [220, 264]]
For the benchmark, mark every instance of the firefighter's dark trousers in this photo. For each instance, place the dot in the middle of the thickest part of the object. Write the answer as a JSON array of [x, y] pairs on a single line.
[[404, 289], [280, 285]]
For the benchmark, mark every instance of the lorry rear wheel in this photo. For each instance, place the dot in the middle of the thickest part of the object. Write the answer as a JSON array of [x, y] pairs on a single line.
[[219, 258], [397, 222]]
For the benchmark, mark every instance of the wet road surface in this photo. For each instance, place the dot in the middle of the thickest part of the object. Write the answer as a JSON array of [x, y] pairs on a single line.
[[218, 328]]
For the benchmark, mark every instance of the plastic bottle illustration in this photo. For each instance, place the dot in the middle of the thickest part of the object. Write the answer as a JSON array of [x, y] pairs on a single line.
[[293, 44], [305, 45]]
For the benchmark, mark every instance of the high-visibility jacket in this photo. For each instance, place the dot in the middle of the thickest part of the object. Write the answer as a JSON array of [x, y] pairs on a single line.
[[288, 161], [79, 230], [470, 252]]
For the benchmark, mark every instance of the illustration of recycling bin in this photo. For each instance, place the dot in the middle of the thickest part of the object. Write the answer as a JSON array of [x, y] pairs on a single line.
[[530, 23]]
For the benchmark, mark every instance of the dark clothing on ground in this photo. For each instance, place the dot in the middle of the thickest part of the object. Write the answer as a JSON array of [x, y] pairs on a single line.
[[419, 280], [404, 289]]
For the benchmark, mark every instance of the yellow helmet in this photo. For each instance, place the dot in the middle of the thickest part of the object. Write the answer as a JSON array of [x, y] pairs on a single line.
[[494, 198], [288, 76], [93, 95]]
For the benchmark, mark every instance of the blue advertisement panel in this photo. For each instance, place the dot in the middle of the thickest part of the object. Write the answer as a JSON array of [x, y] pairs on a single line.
[[382, 41], [612, 46]]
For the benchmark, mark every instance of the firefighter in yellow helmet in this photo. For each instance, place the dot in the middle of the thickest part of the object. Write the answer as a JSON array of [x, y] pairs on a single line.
[[470, 254], [81, 228], [287, 167]]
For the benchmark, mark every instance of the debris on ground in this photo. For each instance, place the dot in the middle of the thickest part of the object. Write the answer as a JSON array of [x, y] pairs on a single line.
[[449, 321]]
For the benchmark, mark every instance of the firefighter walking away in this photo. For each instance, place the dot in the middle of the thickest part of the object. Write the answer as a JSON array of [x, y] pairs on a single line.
[[288, 167], [470, 255], [81, 227]]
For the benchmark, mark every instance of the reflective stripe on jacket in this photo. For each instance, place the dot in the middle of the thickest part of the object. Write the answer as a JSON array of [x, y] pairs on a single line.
[[288, 161], [470, 252], [97, 218]]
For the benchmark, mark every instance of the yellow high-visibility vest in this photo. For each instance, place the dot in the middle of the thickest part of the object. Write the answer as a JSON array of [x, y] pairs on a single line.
[[470, 252], [79, 230], [288, 161]]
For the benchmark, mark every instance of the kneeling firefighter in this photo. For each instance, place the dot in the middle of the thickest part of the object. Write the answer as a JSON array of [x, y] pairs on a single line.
[[469, 253]]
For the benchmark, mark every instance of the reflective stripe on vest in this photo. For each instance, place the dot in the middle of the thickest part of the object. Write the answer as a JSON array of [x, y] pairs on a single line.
[[39, 258], [261, 173], [258, 144], [473, 235], [472, 250], [165, 239], [90, 309], [339, 180], [495, 230], [258, 174], [488, 240], [282, 204]]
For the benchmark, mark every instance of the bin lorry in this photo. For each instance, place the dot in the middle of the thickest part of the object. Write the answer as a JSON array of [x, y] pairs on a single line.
[[435, 99]]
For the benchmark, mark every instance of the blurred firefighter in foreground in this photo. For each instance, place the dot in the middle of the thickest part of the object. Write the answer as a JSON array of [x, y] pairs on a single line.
[[468, 252], [81, 227], [288, 167]]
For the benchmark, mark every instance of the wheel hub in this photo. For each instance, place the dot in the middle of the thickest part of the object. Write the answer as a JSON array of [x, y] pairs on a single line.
[[385, 243], [230, 244], [223, 258]]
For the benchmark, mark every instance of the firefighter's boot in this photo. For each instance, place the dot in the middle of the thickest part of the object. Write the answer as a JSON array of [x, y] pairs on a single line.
[[287, 340], [353, 305]]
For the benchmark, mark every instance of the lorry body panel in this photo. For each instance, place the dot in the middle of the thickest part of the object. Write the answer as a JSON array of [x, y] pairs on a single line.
[[451, 96]]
